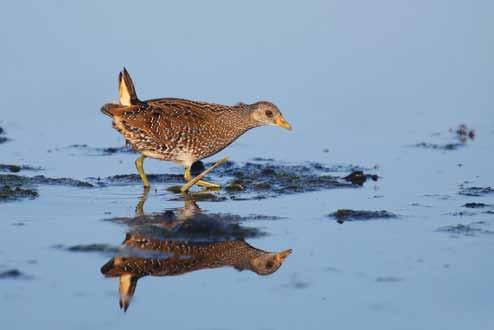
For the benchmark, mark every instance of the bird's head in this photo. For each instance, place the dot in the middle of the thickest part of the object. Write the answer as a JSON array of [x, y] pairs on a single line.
[[266, 113], [268, 263]]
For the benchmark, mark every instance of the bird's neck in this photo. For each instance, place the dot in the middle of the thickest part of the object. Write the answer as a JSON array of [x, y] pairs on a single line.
[[244, 120]]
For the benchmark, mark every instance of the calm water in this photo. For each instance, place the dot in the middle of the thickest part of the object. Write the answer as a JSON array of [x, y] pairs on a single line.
[[363, 80]]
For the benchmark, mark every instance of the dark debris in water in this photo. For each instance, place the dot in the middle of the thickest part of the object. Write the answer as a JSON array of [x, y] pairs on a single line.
[[435, 146], [100, 151], [269, 179], [463, 133], [458, 136], [19, 180], [475, 191], [124, 179], [13, 274], [359, 177], [15, 187], [471, 229], [3, 138], [17, 168], [475, 205], [8, 193], [98, 248], [256, 180], [462, 214], [343, 215]]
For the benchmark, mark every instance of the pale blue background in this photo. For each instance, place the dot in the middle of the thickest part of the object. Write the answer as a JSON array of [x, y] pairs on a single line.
[[364, 79]]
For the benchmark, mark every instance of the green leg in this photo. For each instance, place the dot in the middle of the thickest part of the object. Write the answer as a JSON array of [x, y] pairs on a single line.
[[140, 170], [198, 179]]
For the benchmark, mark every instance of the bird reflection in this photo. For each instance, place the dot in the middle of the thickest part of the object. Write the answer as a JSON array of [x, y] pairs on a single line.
[[164, 256]]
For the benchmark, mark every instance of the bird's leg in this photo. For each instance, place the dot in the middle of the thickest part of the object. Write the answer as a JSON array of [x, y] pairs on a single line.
[[198, 179], [140, 170]]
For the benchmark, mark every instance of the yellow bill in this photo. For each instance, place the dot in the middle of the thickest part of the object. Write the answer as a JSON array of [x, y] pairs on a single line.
[[281, 122]]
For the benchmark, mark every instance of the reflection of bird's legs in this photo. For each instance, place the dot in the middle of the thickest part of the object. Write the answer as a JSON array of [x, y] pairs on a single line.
[[190, 208], [142, 200], [140, 170], [198, 179]]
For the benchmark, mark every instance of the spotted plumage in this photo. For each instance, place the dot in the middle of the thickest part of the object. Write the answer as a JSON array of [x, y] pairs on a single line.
[[183, 131]]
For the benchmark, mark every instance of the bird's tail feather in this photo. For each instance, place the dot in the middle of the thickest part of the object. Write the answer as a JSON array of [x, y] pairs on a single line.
[[126, 89]]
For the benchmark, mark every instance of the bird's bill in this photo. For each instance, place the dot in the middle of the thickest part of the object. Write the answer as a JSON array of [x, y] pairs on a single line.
[[281, 122], [284, 254]]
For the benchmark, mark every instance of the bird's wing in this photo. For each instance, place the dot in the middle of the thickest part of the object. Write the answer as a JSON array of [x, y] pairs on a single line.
[[163, 119]]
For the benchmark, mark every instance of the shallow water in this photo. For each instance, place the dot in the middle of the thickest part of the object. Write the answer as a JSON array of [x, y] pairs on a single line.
[[364, 85]]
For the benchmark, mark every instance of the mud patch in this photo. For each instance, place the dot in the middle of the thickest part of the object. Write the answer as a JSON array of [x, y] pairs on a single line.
[[476, 205], [462, 214], [13, 274], [258, 180], [457, 137], [435, 146], [8, 193], [475, 191], [343, 215], [19, 180], [268, 179], [359, 177], [17, 168], [16, 187], [3, 138], [471, 229], [100, 151], [91, 248], [127, 179]]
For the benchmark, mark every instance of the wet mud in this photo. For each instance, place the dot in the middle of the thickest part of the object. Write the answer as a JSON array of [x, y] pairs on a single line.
[[359, 177], [256, 180], [99, 151], [3, 138], [471, 229], [13, 274], [17, 168], [265, 179], [474, 205], [15, 187], [8, 193], [476, 191], [343, 215], [105, 249], [457, 138], [20, 180], [249, 181]]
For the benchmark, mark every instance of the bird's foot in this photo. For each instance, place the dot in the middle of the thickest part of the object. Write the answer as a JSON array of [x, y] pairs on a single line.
[[198, 179]]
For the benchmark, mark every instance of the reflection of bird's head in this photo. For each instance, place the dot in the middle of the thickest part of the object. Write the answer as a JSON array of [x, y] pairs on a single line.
[[269, 263]]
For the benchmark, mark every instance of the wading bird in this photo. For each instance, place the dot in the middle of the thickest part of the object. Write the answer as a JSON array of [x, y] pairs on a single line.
[[184, 131]]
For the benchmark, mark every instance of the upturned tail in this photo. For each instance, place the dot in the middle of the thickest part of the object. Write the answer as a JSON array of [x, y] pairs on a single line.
[[126, 89], [127, 93]]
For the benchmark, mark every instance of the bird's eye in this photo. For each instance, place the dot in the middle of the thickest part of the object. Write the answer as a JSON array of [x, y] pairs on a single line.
[[269, 264], [269, 113]]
